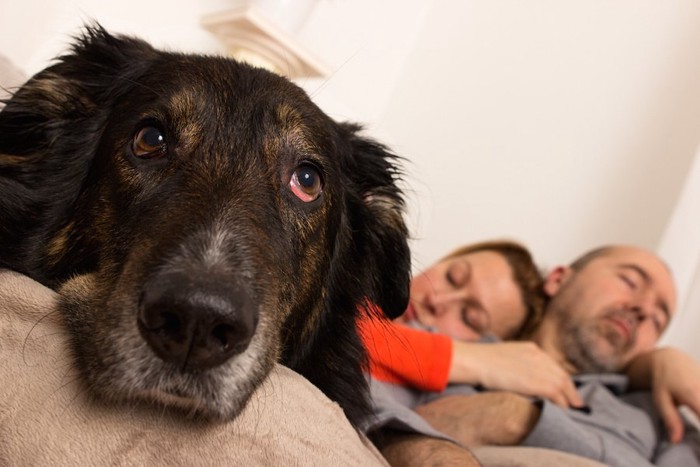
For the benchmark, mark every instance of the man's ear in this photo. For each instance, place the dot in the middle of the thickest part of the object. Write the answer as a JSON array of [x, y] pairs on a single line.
[[555, 279]]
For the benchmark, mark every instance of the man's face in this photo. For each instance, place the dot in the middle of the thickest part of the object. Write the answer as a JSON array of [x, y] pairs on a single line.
[[612, 309]]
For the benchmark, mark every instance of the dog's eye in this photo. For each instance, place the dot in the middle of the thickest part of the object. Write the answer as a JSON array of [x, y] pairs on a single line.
[[148, 143], [306, 182]]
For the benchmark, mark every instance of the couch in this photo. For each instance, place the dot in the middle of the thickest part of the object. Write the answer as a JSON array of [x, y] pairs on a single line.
[[47, 419]]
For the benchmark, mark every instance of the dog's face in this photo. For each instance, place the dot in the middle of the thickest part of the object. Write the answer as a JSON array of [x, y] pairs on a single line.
[[202, 219]]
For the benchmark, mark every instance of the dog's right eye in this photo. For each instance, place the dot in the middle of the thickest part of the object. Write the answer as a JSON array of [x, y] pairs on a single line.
[[148, 143]]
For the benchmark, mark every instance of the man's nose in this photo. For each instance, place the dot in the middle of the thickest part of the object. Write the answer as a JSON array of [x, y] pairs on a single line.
[[643, 305]]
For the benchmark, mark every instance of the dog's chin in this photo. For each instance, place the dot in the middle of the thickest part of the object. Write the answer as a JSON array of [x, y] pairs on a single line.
[[210, 403], [216, 394]]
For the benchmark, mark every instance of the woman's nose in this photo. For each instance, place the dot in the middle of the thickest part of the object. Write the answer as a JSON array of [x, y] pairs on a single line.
[[443, 301]]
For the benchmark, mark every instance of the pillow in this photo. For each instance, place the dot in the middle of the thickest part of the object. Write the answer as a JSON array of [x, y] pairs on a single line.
[[46, 417]]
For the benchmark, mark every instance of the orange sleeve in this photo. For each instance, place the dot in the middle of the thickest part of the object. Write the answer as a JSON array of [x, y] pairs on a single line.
[[409, 357]]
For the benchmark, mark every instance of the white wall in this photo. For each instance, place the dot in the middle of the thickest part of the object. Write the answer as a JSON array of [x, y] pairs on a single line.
[[680, 247], [35, 31], [562, 124], [566, 124]]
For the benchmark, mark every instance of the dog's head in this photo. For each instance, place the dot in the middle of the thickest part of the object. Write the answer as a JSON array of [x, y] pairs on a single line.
[[203, 220]]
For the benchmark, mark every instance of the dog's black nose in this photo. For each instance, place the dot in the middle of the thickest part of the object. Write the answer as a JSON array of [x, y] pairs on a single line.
[[196, 324]]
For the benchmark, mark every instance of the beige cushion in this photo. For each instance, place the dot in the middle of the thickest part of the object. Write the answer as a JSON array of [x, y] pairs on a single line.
[[47, 419]]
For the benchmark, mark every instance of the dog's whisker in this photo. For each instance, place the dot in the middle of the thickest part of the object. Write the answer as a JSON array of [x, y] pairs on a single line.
[[325, 82], [31, 330], [79, 393]]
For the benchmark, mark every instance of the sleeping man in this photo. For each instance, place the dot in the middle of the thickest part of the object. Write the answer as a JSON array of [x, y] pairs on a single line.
[[605, 310]]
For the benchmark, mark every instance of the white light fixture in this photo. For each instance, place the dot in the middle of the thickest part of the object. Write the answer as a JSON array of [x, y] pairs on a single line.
[[251, 35]]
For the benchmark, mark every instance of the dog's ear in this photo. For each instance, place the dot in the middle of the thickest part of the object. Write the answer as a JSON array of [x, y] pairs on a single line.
[[380, 233], [49, 132], [64, 99]]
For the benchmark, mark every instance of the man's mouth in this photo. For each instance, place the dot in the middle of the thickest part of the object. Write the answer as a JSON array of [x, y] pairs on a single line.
[[622, 326]]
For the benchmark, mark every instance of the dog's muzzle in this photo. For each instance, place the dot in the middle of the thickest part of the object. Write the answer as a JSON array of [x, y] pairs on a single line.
[[196, 323]]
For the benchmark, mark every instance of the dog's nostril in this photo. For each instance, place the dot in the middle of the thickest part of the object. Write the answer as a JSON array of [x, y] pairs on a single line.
[[165, 323], [170, 322], [223, 334], [160, 320], [198, 327]]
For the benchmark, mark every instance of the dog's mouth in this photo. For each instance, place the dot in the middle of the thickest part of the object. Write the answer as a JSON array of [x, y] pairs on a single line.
[[176, 398], [216, 392]]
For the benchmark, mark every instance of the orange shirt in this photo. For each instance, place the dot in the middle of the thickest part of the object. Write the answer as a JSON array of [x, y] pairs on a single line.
[[406, 356]]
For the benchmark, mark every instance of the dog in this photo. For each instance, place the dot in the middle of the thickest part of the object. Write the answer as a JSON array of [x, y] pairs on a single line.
[[201, 219]]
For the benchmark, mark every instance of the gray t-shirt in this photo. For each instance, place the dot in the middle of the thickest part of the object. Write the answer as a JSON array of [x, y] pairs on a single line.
[[615, 427]]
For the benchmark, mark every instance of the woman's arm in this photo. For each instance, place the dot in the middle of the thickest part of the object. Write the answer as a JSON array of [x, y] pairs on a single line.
[[516, 366], [674, 379], [428, 361], [406, 356]]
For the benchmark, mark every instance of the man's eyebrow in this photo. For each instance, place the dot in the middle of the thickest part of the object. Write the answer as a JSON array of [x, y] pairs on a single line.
[[646, 277]]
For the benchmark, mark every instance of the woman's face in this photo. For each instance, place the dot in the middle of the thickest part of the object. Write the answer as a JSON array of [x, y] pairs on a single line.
[[468, 296]]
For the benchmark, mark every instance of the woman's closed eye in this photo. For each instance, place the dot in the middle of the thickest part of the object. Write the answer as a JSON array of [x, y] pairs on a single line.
[[475, 317], [458, 274]]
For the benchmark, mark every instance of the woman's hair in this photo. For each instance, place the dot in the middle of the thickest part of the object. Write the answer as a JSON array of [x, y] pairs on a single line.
[[526, 275]]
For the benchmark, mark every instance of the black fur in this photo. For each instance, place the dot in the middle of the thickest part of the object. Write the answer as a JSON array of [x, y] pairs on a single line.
[[211, 213]]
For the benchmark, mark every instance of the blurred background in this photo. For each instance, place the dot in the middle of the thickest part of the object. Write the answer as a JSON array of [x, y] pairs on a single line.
[[561, 124]]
